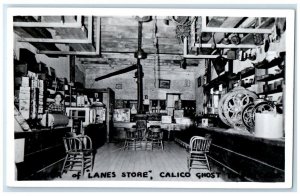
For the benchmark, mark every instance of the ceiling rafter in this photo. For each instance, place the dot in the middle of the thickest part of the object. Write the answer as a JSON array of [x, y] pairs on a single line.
[[54, 40], [76, 24], [93, 53], [261, 29]]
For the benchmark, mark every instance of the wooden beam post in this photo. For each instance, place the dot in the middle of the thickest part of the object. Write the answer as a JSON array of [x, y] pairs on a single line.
[[140, 93], [72, 68]]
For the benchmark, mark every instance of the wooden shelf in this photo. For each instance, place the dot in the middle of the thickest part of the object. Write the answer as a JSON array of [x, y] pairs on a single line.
[[272, 77], [209, 116], [222, 79], [266, 65], [244, 74], [271, 92]]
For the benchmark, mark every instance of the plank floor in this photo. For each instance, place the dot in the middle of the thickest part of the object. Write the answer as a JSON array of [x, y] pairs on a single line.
[[114, 163]]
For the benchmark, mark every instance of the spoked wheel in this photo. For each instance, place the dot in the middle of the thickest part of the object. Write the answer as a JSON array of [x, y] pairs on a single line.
[[234, 105], [262, 107], [221, 109], [247, 117]]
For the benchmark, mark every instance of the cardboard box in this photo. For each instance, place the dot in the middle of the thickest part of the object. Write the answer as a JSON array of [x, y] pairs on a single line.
[[25, 114], [25, 81], [178, 113], [166, 119], [41, 84], [24, 96], [24, 103], [34, 83], [25, 88]]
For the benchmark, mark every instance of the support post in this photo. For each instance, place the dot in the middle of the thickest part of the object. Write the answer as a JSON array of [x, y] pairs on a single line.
[[140, 74], [72, 68]]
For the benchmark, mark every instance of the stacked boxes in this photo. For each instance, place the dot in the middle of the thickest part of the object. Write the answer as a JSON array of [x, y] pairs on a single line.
[[41, 99], [24, 98], [34, 93], [80, 101], [31, 97], [34, 105]]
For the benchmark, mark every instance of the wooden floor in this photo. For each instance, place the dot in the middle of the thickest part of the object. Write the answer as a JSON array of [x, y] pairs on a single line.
[[170, 164]]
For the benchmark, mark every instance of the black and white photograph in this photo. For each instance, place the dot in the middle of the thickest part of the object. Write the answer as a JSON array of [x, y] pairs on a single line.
[[103, 96]]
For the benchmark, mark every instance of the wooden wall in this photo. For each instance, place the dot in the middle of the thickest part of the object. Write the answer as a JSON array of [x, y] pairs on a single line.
[[182, 81], [200, 70]]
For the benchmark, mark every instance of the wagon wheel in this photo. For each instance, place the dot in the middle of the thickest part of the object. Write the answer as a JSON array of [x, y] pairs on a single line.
[[247, 117], [220, 110], [235, 104], [262, 107]]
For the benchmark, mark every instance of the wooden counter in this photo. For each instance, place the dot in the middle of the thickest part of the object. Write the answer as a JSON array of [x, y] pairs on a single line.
[[44, 153], [251, 158]]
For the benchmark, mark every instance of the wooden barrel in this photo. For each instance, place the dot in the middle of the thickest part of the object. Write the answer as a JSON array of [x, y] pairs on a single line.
[[54, 120]]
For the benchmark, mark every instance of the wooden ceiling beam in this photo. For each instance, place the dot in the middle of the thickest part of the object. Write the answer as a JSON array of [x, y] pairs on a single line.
[[76, 24], [58, 41], [79, 53], [189, 56], [131, 56], [229, 22], [226, 46], [205, 28], [236, 30], [264, 24], [89, 39]]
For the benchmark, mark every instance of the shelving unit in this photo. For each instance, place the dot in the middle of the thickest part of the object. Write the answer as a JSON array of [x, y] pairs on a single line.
[[279, 61], [222, 79], [271, 77], [266, 65], [272, 82], [245, 73], [269, 92]]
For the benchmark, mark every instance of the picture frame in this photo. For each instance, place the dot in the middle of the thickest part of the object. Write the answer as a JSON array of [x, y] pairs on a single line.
[[164, 83], [118, 86], [199, 81]]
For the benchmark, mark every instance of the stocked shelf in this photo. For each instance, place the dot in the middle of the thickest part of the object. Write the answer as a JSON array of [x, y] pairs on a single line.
[[279, 90], [271, 77], [209, 116], [245, 73], [222, 79], [266, 65]]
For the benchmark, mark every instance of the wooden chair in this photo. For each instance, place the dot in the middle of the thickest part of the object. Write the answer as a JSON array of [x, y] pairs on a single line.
[[79, 154], [141, 128], [198, 148], [155, 137], [130, 139]]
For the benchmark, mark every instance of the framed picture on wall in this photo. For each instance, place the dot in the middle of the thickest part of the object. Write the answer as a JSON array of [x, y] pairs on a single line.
[[118, 86], [164, 83], [199, 81]]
